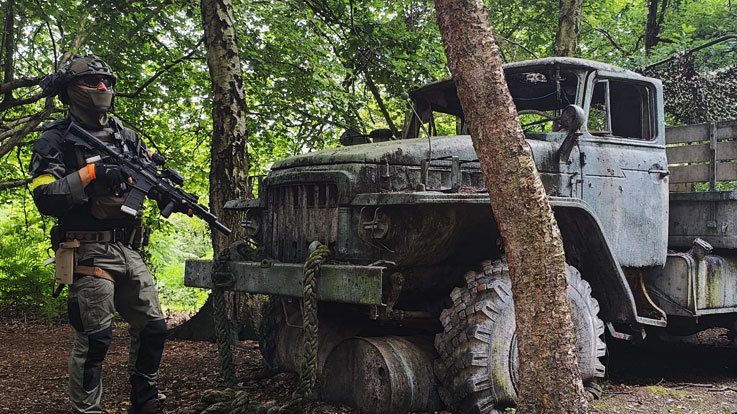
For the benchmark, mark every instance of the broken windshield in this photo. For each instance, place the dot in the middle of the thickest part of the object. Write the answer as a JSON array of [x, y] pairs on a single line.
[[540, 95]]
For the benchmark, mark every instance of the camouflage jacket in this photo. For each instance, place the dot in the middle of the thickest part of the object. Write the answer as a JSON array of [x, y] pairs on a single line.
[[57, 186]]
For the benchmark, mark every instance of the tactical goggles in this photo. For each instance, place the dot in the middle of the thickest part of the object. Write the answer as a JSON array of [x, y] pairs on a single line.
[[93, 81]]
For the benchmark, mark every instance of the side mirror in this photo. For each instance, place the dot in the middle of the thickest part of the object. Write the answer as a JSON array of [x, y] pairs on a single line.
[[381, 135], [572, 118]]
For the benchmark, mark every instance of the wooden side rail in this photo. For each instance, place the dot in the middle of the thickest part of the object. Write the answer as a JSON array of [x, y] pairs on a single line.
[[701, 153]]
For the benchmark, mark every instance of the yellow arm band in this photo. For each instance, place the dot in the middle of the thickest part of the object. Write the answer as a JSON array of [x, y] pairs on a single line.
[[41, 180]]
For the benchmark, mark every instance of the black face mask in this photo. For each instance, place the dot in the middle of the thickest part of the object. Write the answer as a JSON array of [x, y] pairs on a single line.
[[90, 105]]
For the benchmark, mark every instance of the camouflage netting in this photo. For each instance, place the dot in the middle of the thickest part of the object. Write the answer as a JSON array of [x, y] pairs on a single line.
[[692, 96]]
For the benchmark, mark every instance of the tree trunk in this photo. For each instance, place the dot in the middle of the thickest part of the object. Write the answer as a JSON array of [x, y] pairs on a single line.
[[569, 27], [549, 381], [654, 20], [229, 168], [229, 158]]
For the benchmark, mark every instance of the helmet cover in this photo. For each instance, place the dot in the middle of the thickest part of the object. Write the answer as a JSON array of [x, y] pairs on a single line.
[[76, 67]]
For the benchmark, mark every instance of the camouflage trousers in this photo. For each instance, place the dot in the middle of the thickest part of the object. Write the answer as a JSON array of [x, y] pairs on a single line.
[[92, 303]]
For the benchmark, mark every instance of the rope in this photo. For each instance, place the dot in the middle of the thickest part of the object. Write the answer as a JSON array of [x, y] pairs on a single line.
[[232, 401], [222, 327], [308, 370]]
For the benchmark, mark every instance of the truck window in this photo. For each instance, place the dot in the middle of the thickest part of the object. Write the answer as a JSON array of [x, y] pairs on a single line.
[[621, 109], [539, 96]]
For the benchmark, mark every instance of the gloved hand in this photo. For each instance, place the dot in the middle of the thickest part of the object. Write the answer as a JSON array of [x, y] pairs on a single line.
[[182, 207], [109, 175]]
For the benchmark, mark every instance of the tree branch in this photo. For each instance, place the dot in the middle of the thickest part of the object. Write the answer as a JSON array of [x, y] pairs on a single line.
[[131, 33], [9, 48], [161, 72], [19, 83], [19, 133], [15, 183], [380, 102], [521, 46]]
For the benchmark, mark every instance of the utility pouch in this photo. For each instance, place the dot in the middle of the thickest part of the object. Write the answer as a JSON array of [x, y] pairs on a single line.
[[65, 262], [140, 237], [57, 236]]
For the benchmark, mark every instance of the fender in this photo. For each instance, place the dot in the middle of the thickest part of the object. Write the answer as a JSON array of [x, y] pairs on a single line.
[[588, 249]]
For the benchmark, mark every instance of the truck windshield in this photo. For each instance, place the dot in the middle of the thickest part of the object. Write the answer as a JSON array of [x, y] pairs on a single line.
[[539, 96]]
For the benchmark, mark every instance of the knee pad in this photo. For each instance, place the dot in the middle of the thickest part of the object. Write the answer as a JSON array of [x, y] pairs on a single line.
[[98, 344], [151, 346]]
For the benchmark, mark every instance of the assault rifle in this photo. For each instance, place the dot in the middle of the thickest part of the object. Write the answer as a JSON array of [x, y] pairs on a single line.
[[146, 179]]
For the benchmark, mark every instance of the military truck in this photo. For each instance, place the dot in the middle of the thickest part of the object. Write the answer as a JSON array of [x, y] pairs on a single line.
[[415, 306]]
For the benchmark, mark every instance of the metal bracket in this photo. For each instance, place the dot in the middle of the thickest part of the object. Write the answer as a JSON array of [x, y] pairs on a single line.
[[396, 281], [223, 279]]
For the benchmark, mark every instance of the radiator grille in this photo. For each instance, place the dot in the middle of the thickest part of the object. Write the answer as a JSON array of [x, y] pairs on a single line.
[[299, 214]]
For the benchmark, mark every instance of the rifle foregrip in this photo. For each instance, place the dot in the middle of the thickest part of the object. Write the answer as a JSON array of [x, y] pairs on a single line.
[[168, 209]]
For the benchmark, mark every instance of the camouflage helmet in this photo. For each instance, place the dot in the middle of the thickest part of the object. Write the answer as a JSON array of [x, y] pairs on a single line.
[[76, 67]]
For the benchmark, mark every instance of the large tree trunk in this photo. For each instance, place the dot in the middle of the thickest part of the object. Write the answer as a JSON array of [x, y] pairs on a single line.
[[229, 158], [549, 381], [569, 27], [229, 168]]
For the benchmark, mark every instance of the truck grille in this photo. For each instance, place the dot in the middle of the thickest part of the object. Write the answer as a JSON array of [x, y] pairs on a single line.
[[297, 215]]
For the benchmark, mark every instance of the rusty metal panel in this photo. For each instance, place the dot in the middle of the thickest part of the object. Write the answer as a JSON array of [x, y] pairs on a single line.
[[337, 283], [383, 375], [690, 287], [672, 286], [716, 285], [625, 182]]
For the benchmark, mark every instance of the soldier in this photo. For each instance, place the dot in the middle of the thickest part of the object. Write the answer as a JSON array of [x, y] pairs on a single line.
[[85, 194]]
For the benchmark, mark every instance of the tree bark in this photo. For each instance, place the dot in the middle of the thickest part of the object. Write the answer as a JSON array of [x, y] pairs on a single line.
[[654, 20], [569, 27], [229, 157], [549, 381], [229, 168]]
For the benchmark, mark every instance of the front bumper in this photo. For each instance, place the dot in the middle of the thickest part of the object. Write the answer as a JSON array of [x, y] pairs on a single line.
[[336, 283]]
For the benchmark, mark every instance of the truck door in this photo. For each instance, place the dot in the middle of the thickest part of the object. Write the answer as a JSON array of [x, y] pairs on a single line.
[[624, 168]]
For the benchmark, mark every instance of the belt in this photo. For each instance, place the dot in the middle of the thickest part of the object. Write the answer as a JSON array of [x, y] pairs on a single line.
[[103, 236]]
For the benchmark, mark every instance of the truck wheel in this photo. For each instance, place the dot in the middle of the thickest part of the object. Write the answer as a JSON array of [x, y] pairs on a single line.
[[477, 368]]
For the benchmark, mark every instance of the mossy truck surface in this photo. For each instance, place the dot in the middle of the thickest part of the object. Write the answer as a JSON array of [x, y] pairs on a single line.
[[415, 310]]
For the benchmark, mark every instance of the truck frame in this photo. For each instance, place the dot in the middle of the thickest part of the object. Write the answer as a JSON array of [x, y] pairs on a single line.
[[415, 310]]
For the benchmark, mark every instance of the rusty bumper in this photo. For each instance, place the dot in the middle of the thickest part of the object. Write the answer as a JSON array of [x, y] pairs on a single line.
[[336, 283]]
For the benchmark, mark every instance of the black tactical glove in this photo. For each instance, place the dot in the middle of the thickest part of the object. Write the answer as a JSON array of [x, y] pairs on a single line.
[[182, 207], [163, 202], [109, 175]]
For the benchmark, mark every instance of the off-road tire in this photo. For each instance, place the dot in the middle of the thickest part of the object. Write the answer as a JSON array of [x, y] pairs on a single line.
[[477, 368]]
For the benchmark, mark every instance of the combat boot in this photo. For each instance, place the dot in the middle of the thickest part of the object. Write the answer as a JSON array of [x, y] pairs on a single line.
[[154, 406]]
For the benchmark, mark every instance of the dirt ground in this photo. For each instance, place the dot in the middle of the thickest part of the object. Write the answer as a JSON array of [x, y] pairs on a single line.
[[682, 378]]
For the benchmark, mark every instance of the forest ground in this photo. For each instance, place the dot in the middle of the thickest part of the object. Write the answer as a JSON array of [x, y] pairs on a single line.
[[698, 377]]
